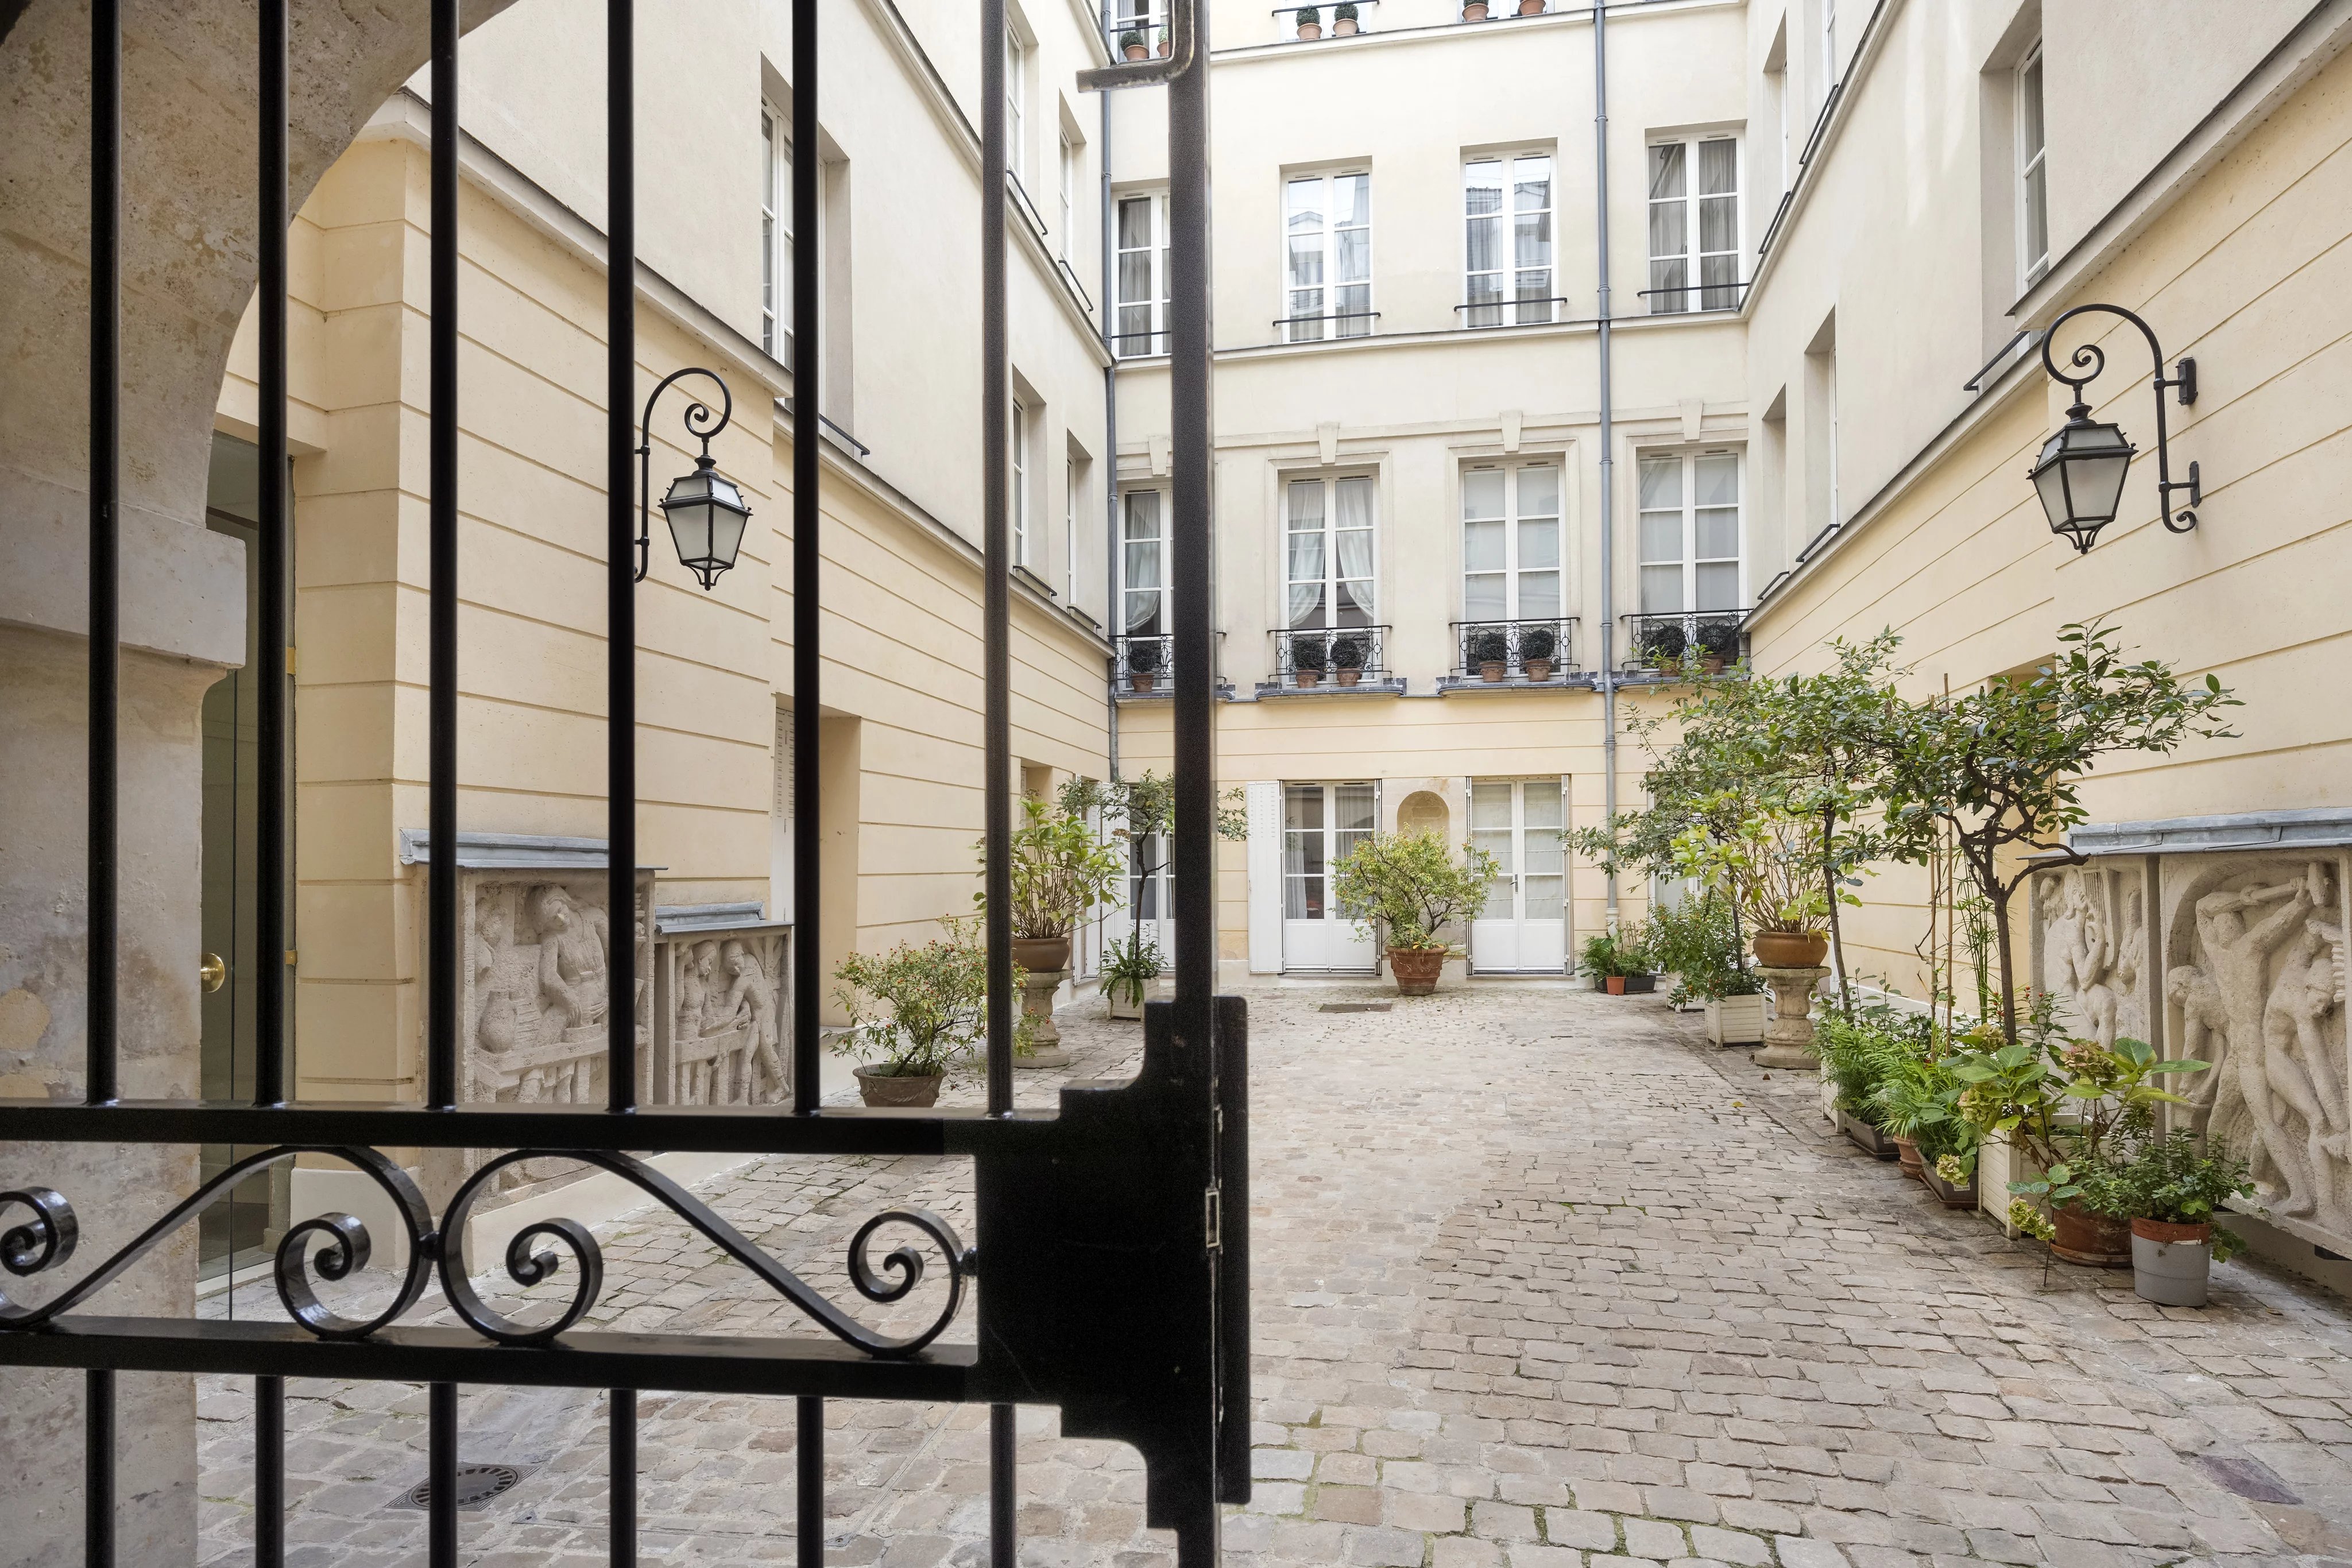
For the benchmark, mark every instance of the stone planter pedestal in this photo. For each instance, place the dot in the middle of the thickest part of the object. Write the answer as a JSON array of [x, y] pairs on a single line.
[[1789, 1038], [1037, 989]]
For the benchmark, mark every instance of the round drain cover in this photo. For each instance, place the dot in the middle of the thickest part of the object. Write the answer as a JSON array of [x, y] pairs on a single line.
[[476, 1484]]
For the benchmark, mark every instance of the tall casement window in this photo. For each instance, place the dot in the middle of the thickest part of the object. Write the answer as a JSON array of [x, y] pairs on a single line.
[[1141, 275], [1329, 552], [1143, 564], [1829, 45], [1328, 235], [1069, 193], [1690, 531], [2032, 175], [1020, 483], [1069, 531], [776, 230], [1320, 824], [1506, 211], [1694, 224], [1016, 99], [1510, 542]]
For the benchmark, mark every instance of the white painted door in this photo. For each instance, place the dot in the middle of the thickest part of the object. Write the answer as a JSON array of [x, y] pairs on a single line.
[[1149, 882], [1524, 928], [1320, 824]]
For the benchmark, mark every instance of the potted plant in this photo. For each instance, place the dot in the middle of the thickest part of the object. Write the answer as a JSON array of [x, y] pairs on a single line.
[[1163, 43], [1719, 642], [1143, 663], [1131, 44], [1491, 652], [1310, 23], [2072, 1107], [2170, 1188], [1346, 660], [1768, 861], [1602, 960], [1662, 649], [914, 1012], [1129, 969], [1854, 1053], [1536, 645], [1474, 10], [1308, 658], [1412, 884], [1343, 21], [1060, 871]]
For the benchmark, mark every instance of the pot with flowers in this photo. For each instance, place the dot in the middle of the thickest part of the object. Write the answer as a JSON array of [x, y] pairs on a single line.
[[2170, 1190], [915, 1011], [1411, 885]]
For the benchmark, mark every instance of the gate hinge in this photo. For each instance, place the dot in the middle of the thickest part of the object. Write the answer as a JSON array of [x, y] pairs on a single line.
[[1212, 1204]]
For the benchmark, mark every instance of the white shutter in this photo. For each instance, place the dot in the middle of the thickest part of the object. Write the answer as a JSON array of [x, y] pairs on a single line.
[[1264, 806]]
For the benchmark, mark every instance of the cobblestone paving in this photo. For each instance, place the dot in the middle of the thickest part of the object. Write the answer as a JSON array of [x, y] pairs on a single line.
[[1542, 1282]]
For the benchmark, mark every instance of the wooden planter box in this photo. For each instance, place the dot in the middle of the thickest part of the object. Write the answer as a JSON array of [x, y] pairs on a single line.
[[1952, 1197], [1736, 1020]]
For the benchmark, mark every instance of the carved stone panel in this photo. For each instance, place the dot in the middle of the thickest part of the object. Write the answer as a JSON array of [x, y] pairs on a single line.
[[2090, 946], [2254, 976], [721, 1018], [537, 987]]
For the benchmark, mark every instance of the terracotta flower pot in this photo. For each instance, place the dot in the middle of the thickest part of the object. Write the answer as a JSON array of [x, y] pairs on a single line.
[[1163, 48], [1309, 31], [1531, 7], [1906, 1150], [1538, 669], [1137, 52], [1713, 664], [2172, 1265], [2092, 1239], [1475, 11], [1308, 677], [877, 1088], [1791, 949], [1345, 28], [1490, 670], [1416, 969], [1348, 677], [1041, 955], [1613, 984], [1143, 680]]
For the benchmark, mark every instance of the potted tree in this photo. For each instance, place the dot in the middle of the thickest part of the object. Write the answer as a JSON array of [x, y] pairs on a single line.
[[1537, 646], [1060, 870], [914, 1012], [1719, 642], [1412, 884], [1343, 20], [2172, 1189], [1346, 660], [1131, 44], [1309, 656], [1491, 652], [1143, 663], [1662, 649], [1768, 861], [1129, 967], [1697, 941], [1310, 24]]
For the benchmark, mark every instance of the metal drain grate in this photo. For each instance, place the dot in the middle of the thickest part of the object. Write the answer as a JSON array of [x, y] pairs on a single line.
[[1355, 1007], [476, 1484]]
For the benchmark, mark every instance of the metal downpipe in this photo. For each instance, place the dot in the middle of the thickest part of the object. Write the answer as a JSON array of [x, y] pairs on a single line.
[[1608, 681]]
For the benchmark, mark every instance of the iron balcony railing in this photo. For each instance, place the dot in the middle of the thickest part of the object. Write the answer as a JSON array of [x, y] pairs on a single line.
[[1309, 329], [1501, 311], [1143, 663], [1140, 345], [1671, 643], [1331, 658], [1147, 22], [1675, 301], [1514, 653]]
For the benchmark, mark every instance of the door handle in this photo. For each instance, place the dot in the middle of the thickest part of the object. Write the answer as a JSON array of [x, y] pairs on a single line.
[[212, 974]]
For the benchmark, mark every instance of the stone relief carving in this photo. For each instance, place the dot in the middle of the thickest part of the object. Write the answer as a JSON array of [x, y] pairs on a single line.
[[2255, 983], [721, 1015], [539, 987], [2091, 932]]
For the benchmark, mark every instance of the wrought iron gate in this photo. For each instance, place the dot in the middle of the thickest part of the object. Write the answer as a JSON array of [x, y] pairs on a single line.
[[1112, 1255]]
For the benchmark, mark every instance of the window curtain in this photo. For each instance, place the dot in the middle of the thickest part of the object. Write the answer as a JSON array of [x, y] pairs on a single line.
[[1355, 540], [1306, 551]]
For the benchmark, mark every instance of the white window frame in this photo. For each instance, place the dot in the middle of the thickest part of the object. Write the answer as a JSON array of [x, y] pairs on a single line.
[[1514, 515], [1829, 47], [1696, 293], [1331, 580], [1152, 337], [2032, 168], [1691, 560], [1016, 104], [1326, 319], [1069, 531], [776, 230], [1069, 175], [1161, 590], [1524, 309], [1020, 477]]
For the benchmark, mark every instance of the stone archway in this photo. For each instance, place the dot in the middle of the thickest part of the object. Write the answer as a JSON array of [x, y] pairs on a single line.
[[1425, 812], [188, 267]]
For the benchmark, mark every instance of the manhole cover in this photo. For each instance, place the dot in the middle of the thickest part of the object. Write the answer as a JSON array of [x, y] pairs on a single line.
[[476, 1484], [2247, 1477], [1355, 1007]]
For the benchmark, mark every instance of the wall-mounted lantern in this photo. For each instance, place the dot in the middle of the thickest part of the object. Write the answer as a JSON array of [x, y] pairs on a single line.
[[705, 510], [2080, 473]]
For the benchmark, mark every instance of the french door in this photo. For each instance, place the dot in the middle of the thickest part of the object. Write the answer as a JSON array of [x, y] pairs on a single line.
[[1320, 824], [1523, 930]]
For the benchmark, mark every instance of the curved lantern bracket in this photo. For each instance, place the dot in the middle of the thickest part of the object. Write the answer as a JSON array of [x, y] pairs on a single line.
[[2082, 438], [702, 425]]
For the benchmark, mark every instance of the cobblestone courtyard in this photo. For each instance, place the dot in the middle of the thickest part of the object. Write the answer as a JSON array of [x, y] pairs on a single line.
[[1543, 1280]]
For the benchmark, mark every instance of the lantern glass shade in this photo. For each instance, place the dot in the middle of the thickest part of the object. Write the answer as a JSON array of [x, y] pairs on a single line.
[[2080, 477], [707, 515]]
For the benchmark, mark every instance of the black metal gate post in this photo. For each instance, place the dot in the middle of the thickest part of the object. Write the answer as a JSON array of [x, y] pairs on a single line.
[[1115, 1224]]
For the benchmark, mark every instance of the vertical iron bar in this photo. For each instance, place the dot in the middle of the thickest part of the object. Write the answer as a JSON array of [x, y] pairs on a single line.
[[1193, 580], [105, 542], [621, 547], [620, 1479], [808, 1491], [441, 908], [808, 436], [1003, 1520], [441, 1476], [98, 1467], [268, 1472], [1233, 1404], [268, 960], [997, 673]]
